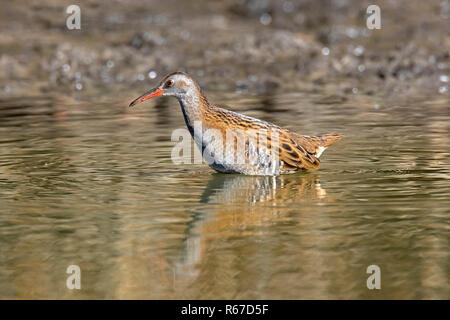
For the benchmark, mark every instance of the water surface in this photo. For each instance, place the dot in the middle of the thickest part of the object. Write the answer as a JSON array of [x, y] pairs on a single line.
[[93, 184]]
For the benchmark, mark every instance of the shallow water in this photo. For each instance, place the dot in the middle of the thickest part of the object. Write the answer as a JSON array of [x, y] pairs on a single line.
[[92, 184]]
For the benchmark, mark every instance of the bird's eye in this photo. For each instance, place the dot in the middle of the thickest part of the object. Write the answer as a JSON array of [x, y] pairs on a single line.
[[169, 83]]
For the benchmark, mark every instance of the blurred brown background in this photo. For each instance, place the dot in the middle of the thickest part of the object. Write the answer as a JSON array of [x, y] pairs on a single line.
[[259, 46]]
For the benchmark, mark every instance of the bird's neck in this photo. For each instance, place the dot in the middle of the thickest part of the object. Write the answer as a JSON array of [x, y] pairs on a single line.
[[194, 106]]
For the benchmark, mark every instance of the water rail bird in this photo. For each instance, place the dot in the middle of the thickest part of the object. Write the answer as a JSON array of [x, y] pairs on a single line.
[[236, 143]]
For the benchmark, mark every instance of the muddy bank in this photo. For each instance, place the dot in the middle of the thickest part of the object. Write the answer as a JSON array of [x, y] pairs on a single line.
[[248, 45]]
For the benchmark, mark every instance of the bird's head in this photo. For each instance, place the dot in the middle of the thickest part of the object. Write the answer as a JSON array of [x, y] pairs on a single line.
[[176, 84]]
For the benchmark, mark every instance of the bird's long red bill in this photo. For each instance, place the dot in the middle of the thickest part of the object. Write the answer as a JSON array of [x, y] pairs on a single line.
[[148, 95]]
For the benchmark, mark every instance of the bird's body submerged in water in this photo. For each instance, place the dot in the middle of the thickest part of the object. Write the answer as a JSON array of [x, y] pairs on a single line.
[[236, 143]]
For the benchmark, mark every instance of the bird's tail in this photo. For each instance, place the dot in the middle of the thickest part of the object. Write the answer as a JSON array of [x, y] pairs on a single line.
[[328, 139], [316, 145], [324, 141]]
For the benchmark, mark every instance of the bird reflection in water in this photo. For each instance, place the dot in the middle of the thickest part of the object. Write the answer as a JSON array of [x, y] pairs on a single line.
[[240, 206]]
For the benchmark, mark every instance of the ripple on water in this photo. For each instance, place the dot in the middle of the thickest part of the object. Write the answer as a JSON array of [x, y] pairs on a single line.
[[94, 185]]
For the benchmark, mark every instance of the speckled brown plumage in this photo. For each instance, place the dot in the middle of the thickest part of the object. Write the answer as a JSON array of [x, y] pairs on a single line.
[[295, 150]]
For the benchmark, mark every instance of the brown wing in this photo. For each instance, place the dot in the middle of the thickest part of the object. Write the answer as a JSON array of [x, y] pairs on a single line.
[[294, 155]]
